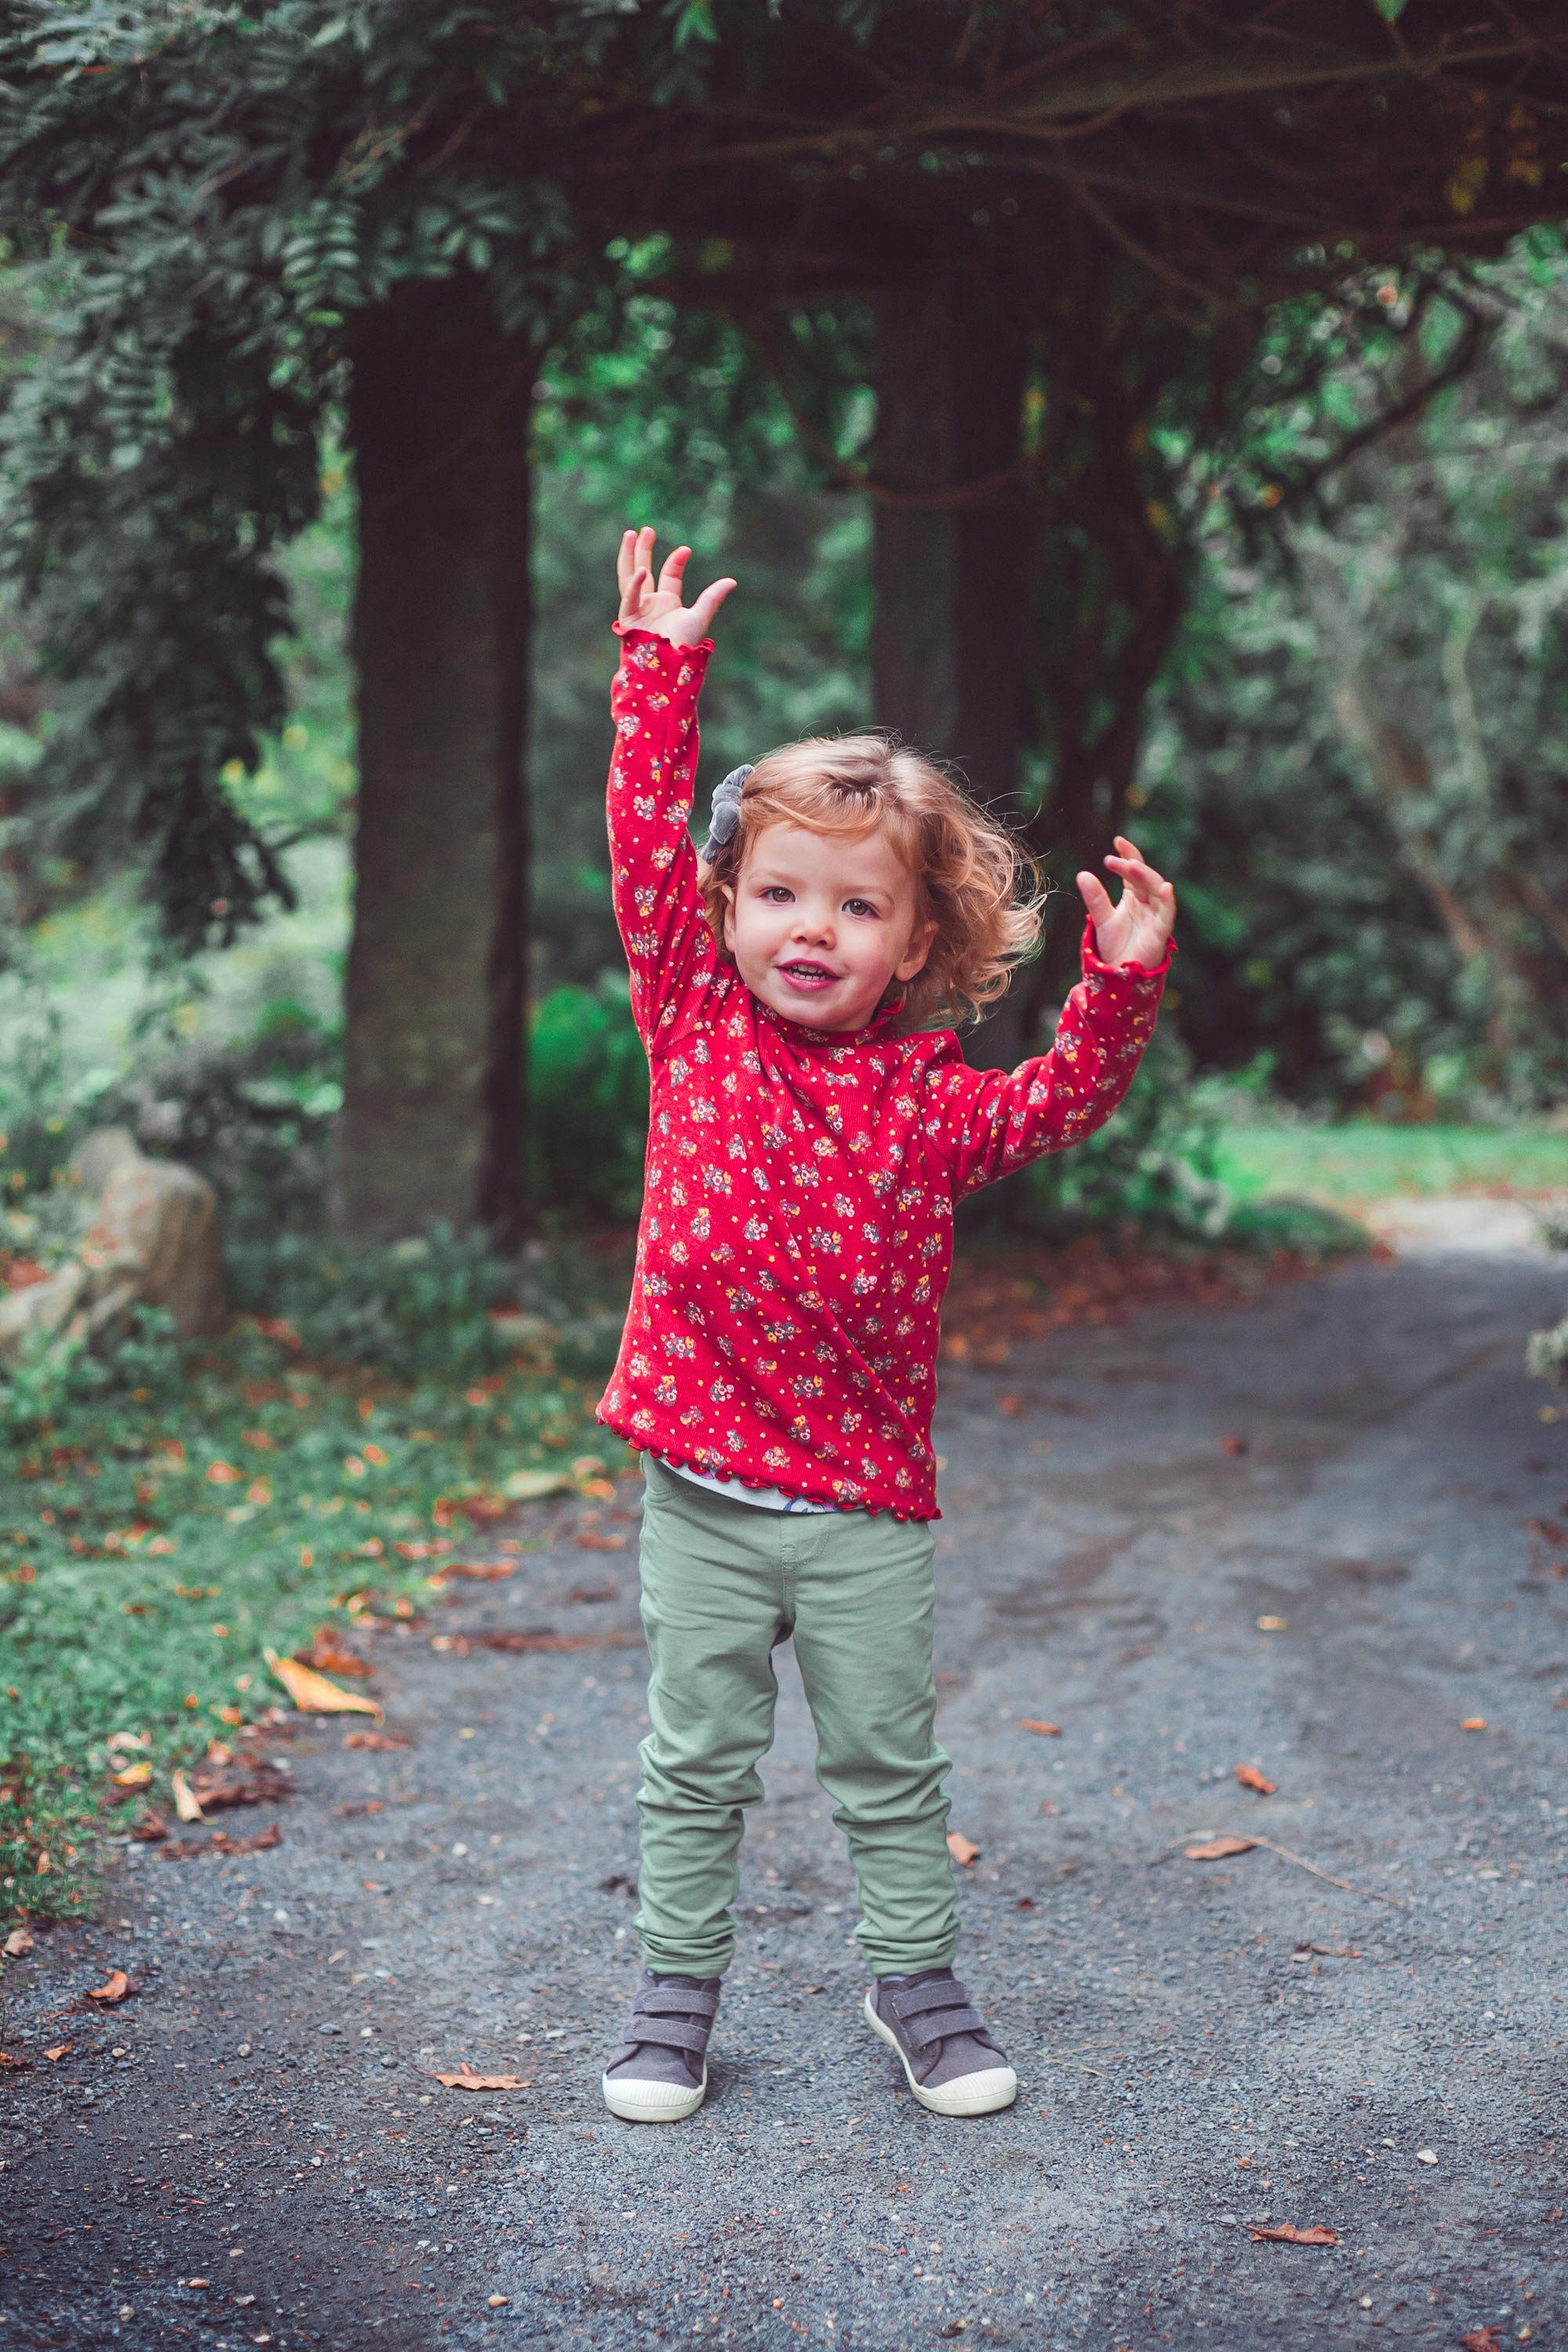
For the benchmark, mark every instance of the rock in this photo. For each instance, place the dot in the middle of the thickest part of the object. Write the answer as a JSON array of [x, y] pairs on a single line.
[[153, 1242]]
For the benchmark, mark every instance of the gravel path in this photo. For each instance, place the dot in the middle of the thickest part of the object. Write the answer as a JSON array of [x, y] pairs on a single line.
[[1293, 1534]]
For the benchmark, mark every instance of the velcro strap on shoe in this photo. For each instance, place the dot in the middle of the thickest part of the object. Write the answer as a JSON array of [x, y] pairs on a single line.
[[674, 2001], [942, 1992], [668, 2032], [921, 2032]]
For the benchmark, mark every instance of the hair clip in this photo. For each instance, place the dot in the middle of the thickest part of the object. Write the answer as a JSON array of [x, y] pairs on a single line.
[[726, 813]]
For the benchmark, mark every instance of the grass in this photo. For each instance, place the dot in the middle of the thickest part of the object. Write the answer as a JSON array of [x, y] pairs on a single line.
[[165, 1523], [1367, 1161]]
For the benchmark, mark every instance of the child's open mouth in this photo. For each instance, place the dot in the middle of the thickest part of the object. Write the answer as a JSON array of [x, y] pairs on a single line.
[[807, 975]]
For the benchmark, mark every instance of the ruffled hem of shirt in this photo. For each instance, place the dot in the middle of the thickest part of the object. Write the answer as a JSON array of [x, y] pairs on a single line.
[[1093, 961], [677, 1460], [625, 629]]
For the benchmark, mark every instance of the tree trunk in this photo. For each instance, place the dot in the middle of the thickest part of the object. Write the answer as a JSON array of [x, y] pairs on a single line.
[[950, 636], [432, 1125]]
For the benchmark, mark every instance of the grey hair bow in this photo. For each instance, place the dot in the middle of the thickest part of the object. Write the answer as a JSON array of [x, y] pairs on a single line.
[[726, 813]]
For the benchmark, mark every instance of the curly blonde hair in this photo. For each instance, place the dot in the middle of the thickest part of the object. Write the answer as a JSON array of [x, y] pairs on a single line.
[[973, 881]]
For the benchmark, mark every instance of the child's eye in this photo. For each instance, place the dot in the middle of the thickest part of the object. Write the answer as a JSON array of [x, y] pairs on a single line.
[[779, 896], [858, 907]]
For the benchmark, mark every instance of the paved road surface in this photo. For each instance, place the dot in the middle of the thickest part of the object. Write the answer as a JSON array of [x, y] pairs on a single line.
[[1292, 1534]]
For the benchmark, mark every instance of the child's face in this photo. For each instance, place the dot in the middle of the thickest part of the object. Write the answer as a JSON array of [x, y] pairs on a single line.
[[821, 925]]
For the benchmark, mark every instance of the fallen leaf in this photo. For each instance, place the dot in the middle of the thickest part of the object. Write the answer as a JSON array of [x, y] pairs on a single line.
[[62, 2050], [1235, 1444], [328, 1655], [1272, 1624], [16, 2065], [1287, 2234], [491, 1574], [220, 1840], [459, 1645], [531, 1485], [187, 1804], [313, 1693], [1217, 1849], [134, 1775], [1010, 1403], [252, 1780], [1474, 1723], [118, 1742], [1482, 2339], [963, 1850], [585, 1594], [19, 1941], [114, 1988], [496, 2302], [1251, 1778], [466, 2080], [1046, 1730], [377, 1741], [589, 1539], [151, 1829]]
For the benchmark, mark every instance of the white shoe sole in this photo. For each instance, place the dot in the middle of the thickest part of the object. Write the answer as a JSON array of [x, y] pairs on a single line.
[[980, 2094], [652, 2103]]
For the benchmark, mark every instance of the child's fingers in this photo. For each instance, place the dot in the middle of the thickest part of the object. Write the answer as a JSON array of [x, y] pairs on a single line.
[[708, 604], [1096, 897], [674, 571], [1141, 879], [632, 594], [625, 559]]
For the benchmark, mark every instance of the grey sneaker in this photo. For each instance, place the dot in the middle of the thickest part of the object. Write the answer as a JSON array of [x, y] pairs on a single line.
[[952, 2066], [657, 2072]]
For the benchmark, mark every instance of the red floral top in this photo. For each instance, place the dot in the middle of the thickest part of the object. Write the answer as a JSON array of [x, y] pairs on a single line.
[[796, 1230]]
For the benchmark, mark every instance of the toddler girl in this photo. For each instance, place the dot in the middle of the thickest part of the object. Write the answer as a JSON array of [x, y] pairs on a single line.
[[808, 1136]]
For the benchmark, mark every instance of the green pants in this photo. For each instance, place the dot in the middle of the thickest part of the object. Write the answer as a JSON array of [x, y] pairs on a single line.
[[724, 1583]]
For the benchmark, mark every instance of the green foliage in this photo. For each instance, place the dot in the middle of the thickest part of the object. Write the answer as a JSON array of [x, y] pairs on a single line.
[[1356, 751], [1153, 1170], [588, 1093], [165, 1519], [424, 1306]]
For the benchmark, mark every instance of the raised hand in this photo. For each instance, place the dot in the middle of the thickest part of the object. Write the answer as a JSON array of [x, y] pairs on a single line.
[[658, 608], [1135, 930]]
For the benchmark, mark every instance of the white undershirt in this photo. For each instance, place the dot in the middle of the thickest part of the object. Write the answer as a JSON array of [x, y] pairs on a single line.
[[762, 1498]]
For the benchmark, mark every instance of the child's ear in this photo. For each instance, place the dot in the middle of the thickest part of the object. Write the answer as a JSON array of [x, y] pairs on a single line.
[[728, 895], [920, 948]]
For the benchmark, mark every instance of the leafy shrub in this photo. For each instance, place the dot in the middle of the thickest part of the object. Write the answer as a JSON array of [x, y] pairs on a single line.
[[414, 1311], [1154, 1168], [588, 1087]]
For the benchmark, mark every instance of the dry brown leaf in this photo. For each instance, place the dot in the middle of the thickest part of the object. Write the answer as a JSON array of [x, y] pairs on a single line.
[[17, 1942], [328, 1655], [114, 1988], [313, 1693], [1251, 1778], [459, 1645], [491, 1574], [1219, 1849], [1287, 2234], [590, 1539], [1010, 1403], [378, 1741], [1046, 1730], [1474, 1723], [187, 1804], [151, 1829], [466, 2080], [1235, 1444], [1482, 2339], [963, 1850], [134, 1775], [16, 2065], [220, 1840], [62, 2050], [252, 1780]]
